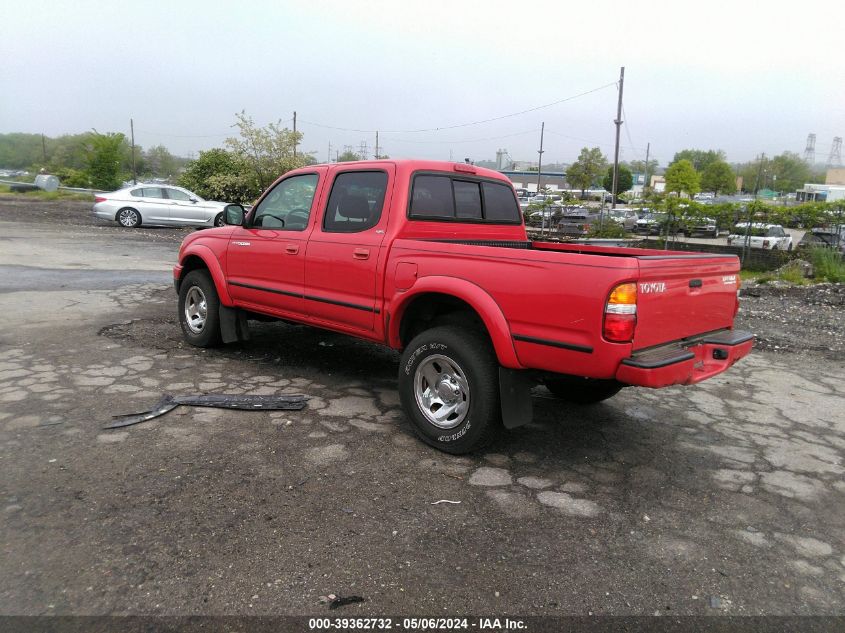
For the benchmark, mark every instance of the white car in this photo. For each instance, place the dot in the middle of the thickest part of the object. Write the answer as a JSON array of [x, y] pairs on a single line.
[[157, 205], [766, 236]]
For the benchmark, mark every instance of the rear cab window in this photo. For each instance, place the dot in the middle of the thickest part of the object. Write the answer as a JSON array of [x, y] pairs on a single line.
[[448, 198]]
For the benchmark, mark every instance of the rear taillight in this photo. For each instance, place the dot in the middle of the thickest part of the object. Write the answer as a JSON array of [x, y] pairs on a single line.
[[738, 286], [99, 199], [620, 313], [766, 243]]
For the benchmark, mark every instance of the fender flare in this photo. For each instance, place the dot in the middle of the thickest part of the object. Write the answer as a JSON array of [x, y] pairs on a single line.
[[213, 264], [472, 294]]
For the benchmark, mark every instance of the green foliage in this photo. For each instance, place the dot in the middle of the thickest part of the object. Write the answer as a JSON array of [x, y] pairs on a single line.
[[587, 169], [609, 229], [792, 274], [828, 265], [623, 183], [348, 156], [221, 175], [103, 157], [639, 166], [69, 177], [269, 151], [699, 158], [785, 172], [157, 161], [681, 176], [718, 177]]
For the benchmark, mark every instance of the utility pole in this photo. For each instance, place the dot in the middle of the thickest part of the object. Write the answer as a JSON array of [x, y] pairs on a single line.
[[294, 134], [540, 152], [376, 152], [759, 174], [329, 155], [645, 176], [618, 123], [132, 135], [44, 149]]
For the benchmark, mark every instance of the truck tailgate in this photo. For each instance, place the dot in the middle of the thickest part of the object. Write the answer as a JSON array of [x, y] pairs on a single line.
[[679, 296]]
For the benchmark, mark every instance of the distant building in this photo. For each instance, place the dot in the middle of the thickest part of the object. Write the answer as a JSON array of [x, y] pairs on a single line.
[[658, 184], [835, 176], [553, 180], [820, 193]]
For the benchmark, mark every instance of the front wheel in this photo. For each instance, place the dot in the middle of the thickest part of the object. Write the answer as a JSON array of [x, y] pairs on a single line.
[[199, 309], [582, 390], [449, 388], [219, 220], [129, 218]]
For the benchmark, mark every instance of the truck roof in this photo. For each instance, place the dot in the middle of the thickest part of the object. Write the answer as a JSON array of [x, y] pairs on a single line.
[[415, 164]]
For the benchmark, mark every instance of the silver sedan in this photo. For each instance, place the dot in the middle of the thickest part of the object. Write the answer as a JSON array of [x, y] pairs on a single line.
[[157, 205]]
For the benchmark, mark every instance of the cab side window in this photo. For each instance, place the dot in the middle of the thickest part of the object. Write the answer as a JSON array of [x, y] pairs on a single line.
[[175, 194], [288, 205], [356, 202]]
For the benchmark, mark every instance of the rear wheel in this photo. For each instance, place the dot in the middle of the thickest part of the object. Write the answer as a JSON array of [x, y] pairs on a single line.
[[449, 387], [199, 309], [218, 221], [128, 218], [582, 390]]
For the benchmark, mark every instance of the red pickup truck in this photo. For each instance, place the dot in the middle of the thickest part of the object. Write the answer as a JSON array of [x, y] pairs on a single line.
[[432, 258]]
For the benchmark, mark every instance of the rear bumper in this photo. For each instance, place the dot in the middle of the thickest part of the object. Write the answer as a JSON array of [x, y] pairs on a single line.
[[686, 362]]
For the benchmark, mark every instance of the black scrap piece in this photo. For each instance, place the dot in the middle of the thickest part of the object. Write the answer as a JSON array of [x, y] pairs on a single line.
[[219, 401], [339, 601]]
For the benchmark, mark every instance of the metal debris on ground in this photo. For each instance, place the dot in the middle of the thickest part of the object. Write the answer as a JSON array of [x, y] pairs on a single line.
[[434, 503], [220, 401], [340, 601]]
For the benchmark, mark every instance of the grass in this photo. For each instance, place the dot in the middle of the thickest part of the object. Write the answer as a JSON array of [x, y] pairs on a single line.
[[5, 190], [828, 265]]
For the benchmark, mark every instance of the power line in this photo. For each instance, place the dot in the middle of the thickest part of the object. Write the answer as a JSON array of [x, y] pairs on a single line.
[[471, 140], [460, 125]]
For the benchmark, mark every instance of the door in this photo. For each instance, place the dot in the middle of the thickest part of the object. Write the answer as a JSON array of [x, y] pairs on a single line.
[[266, 259], [184, 210], [341, 266], [153, 205]]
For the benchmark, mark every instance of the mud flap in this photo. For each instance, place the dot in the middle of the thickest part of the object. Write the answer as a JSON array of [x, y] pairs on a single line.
[[233, 325], [515, 395]]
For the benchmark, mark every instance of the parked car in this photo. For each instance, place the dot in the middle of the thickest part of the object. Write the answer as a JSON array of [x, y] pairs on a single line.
[[825, 237], [651, 224], [626, 217], [701, 226], [578, 223], [431, 258], [766, 236], [157, 205]]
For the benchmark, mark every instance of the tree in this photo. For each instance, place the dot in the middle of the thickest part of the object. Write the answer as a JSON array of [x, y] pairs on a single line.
[[639, 166], [682, 177], [587, 169], [269, 151], [623, 183], [222, 175], [103, 157], [718, 177], [348, 156], [160, 162], [788, 172], [699, 158]]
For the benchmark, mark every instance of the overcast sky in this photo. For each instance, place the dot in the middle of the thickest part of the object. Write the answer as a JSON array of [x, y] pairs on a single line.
[[744, 77]]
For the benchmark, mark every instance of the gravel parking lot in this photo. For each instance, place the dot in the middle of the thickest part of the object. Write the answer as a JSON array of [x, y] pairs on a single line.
[[723, 498]]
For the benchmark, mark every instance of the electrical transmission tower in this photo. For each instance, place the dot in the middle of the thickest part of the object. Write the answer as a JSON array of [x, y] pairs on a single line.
[[810, 150], [363, 150], [835, 158]]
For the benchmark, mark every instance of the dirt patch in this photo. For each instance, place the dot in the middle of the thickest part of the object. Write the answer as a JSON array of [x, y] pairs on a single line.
[[789, 319]]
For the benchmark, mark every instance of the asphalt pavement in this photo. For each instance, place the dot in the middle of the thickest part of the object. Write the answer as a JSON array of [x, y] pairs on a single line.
[[722, 498]]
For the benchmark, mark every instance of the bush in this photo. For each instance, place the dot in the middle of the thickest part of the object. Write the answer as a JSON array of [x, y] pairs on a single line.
[[828, 265], [609, 229]]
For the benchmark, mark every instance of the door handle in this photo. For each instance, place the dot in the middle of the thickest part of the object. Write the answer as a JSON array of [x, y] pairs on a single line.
[[291, 249], [361, 253]]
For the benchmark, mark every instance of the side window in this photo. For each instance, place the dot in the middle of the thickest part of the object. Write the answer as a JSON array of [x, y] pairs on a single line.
[[153, 192], [137, 193], [356, 202], [288, 205], [432, 197], [499, 203], [175, 194], [467, 199]]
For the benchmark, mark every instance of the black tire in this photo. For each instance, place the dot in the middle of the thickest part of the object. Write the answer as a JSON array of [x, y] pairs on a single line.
[[128, 218], [582, 390], [474, 363], [790, 247], [197, 288], [218, 221]]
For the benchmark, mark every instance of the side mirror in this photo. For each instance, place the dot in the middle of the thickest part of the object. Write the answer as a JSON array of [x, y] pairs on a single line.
[[192, 199], [233, 214]]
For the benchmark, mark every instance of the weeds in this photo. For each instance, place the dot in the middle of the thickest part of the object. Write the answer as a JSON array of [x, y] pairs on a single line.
[[828, 265]]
